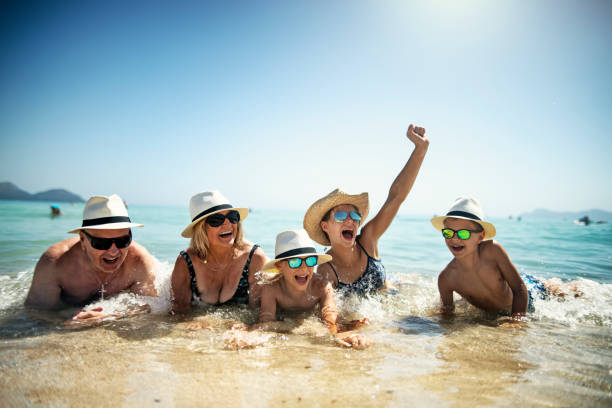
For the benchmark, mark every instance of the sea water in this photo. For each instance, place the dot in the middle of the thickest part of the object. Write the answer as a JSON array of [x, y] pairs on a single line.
[[560, 357]]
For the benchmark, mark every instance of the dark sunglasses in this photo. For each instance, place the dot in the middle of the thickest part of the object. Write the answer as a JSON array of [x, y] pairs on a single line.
[[462, 233], [295, 263], [340, 216], [218, 219], [102, 244]]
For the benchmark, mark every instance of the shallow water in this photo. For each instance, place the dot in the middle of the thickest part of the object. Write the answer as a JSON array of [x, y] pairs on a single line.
[[560, 357]]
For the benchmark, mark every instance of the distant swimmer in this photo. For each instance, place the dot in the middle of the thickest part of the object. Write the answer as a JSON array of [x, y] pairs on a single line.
[[55, 210], [585, 220], [102, 261]]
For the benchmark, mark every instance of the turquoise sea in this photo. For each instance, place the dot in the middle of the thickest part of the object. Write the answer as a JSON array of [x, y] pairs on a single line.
[[560, 357]]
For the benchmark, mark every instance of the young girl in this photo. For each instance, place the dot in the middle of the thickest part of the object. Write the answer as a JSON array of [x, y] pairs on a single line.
[[298, 289], [335, 219]]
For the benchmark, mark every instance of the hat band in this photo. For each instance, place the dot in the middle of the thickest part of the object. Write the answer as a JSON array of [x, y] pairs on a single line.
[[104, 220], [212, 209], [463, 214], [297, 251]]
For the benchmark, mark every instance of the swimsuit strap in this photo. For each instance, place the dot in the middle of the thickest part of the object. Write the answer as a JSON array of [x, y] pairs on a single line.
[[242, 291], [194, 284], [248, 262], [363, 249], [335, 273]]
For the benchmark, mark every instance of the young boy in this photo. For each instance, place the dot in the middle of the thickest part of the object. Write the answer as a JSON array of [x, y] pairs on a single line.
[[481, 271], [298, 289]]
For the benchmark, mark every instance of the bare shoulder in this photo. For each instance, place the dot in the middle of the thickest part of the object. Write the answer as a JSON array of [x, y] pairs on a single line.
[[492, 249], [139, 253], [56, 251], [324, 271], [259, 257]]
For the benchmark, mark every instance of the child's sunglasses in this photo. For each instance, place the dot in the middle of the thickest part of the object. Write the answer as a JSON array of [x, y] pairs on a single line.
[[462, 233], [218, 219], [295, 263], [340, 216], [102, 244]]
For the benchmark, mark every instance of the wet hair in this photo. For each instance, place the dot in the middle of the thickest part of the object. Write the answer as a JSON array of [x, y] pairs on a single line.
[[199, 242]]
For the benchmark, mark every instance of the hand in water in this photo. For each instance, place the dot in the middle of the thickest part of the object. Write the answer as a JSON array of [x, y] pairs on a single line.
[[87, 318], [351, 340], [237, 339]]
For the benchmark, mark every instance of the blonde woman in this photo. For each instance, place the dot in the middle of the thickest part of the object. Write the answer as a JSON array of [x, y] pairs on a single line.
[[219, 266]]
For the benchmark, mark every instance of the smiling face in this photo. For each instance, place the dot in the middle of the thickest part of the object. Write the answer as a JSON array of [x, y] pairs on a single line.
[[224, 235], [341, 233], [462, 247], [105, 260], [298, 278]]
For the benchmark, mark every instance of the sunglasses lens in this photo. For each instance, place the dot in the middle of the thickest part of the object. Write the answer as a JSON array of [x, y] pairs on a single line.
[[340, 216], [233, 217], [215, 220], [294, 262], [356, 216], [463, 234], [101, 244], [311, 260], [448, 233], [124, 241]]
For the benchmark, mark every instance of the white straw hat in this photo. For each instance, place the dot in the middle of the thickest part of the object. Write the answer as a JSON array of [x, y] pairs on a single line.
[[294, 244], [316, 212], [208, 203], [103, 212], [466, 209]]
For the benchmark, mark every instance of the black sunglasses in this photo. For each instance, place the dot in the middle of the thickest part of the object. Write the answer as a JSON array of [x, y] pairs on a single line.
[[218, 219], [102, 244]]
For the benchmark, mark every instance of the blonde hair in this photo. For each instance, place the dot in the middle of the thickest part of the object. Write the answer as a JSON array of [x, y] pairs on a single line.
[[199, 242]]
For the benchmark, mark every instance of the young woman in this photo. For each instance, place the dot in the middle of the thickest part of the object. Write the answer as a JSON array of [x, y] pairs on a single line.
[[334, 221]]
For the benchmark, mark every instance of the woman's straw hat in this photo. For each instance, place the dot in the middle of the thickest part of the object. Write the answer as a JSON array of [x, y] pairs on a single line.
[[294, 244], [103, 212], [466, 209], [208, 203], [316, 212]]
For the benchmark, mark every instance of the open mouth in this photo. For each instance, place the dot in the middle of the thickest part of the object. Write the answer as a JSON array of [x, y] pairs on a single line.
[[301, 280], [226, 235], [348, 234], [110, 261], [457, 248]]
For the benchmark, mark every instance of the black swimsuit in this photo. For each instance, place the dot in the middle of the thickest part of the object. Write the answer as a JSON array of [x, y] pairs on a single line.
[[372, 279], [242, 291]]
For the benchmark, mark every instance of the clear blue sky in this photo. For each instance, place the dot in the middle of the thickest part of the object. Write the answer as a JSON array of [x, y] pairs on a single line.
[[277, 103]]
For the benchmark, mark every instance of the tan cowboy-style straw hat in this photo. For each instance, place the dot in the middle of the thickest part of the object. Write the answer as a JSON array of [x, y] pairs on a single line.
[[294, 244], [466, 209], [103, 212], [316, 212], [208, 203]]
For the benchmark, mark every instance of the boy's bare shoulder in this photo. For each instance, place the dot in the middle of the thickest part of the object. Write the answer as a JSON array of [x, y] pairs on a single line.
[[449, 271], [319, 283], [492, 249]]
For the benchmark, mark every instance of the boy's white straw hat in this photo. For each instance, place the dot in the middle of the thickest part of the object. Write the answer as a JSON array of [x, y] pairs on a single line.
[[466, 209], [103, 212], [294, 244]]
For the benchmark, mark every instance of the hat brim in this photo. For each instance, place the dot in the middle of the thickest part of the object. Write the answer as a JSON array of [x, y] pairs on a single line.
[[489, 229], [270, 266], [316, 212], [188, 232], [116, 225]]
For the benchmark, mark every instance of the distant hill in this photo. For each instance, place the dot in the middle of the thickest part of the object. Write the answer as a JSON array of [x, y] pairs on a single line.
[[594, 214], [9, 191]]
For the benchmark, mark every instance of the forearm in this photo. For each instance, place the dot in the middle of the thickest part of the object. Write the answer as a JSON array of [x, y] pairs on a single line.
[[403, 183], [520, 300]]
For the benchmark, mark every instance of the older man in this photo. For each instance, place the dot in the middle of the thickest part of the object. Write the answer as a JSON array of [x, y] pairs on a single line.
[[102, 261]]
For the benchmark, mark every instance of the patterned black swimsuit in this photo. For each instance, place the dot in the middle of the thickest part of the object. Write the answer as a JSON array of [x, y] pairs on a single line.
[[242, 291], [372, 279]]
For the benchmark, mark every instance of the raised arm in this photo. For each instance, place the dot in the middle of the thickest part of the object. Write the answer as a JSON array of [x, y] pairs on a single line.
[[400, 188], [45, 289], [520, 297]]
